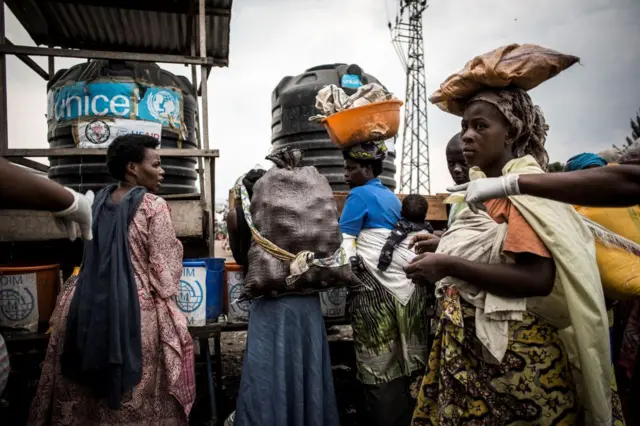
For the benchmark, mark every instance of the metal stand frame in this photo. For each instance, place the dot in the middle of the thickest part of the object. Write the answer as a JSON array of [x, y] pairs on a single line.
[[207, 174], [407, 32], [203, 153]]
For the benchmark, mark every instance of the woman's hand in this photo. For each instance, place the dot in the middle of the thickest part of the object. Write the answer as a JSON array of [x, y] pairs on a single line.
[[78, 212], [424, 243], [430, 267]]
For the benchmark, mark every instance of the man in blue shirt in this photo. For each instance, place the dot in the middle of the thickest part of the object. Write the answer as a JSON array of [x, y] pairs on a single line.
[[389, 329]]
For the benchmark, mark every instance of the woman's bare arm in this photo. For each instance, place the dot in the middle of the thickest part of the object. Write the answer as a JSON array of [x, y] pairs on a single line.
[[530, 276], [615, 186], [604, 186], [21, 189]]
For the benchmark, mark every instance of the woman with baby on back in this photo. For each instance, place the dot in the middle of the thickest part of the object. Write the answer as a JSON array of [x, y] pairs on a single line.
[[549, 264]]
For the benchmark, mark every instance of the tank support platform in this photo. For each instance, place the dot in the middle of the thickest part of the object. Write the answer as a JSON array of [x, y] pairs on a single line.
[[189, 32]]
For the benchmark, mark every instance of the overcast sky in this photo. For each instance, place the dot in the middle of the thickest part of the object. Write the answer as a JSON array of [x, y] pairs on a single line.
[[587, 107]]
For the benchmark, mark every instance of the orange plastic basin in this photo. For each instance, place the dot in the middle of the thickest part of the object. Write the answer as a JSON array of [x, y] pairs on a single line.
[[367, 123]]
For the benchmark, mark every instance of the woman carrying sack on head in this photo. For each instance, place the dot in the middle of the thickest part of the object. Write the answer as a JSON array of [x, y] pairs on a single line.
[[550, 266]]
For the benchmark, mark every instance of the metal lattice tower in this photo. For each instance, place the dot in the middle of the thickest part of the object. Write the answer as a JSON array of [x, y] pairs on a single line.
[[408, 42]]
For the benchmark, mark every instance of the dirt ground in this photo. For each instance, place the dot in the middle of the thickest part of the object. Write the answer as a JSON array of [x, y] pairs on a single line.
[[347, 387]]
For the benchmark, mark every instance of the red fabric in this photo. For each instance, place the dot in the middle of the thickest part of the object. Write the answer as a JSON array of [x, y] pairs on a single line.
[[164, 253], [166, 391], [520, 238]]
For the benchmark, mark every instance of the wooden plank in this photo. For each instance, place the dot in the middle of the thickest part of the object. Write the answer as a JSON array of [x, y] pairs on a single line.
[[437, 209], [27, 225]]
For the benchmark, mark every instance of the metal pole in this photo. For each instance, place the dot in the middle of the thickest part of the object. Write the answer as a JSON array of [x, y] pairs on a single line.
[[100, 54], [52, 65], [202, 31], [4, 129], [209, 177], [194, 81], [30, 63]]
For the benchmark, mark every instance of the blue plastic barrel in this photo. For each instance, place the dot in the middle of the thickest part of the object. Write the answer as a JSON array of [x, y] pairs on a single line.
[[214, 284]]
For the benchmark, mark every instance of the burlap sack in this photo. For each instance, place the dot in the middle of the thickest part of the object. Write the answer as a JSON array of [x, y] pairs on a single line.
[[293, 207], [523, 66]]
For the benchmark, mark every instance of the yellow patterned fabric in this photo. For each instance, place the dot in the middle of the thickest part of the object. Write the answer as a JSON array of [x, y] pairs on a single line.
[[533, 384], [576, 304]]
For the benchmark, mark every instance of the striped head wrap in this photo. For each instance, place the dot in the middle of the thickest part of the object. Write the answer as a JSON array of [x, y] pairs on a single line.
[[584, 161], [525, 118]]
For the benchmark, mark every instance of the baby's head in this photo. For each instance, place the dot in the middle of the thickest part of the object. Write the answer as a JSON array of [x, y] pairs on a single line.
[[415, 208]]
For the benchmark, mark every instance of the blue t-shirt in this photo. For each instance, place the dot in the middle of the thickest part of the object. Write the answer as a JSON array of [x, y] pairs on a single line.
[[370, 206]]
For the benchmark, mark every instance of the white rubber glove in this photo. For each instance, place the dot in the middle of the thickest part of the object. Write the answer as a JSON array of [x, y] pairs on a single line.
[[79, 212], [481, 190]]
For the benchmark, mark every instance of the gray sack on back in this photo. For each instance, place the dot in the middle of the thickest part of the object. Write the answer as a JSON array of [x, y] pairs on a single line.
[[293, 207]]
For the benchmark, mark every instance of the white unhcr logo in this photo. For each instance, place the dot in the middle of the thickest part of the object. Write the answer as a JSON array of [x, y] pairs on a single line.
[[162, 106]]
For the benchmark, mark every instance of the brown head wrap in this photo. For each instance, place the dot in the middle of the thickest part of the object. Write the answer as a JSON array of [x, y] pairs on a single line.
[[525, 118]]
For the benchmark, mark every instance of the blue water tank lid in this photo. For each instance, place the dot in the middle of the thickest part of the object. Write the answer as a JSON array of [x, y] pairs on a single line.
[[350, 81], [215, 263], [193, 263]]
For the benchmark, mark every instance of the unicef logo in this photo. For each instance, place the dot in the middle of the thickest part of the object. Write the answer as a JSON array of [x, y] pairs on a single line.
[[189, 297], [16, 305], [164, 106]]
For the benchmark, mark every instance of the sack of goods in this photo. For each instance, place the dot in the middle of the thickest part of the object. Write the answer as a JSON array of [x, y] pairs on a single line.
[[294, 224], [617, 236], [525, 67]]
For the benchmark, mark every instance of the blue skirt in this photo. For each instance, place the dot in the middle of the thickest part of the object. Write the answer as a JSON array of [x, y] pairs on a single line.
[[286, 376]]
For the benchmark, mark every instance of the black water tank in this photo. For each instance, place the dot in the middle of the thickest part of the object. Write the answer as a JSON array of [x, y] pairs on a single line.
[[293, 102], [92, 103]]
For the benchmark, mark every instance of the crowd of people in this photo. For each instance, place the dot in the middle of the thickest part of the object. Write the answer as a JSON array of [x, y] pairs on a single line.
[[550, 364], [521, 326]]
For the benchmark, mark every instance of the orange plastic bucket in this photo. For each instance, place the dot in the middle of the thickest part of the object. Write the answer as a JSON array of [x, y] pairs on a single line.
[[367, 123], [47, 284]]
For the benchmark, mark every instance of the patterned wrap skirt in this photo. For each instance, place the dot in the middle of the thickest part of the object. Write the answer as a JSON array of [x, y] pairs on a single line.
[[533, 385], [391, 340]]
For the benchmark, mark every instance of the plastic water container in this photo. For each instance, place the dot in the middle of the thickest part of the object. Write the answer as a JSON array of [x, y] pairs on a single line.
[[27, 295], [200, 294], [333, 302], [237, 311]]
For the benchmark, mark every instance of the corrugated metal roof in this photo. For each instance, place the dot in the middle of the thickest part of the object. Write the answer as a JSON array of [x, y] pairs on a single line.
[[142, 26]]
